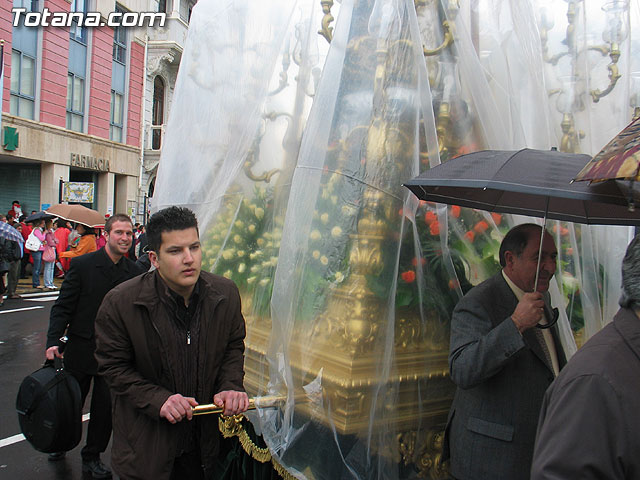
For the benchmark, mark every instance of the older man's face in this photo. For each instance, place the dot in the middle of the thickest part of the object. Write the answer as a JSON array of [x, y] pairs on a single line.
[[522, 269]]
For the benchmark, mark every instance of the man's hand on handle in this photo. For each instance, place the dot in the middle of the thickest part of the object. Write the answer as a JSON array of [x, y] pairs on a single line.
[[232, 401], [177, 407], [529, 311], [53, 352]]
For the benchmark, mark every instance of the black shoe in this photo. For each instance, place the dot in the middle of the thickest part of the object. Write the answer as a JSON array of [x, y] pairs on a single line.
[[96, 468], [57, 456]]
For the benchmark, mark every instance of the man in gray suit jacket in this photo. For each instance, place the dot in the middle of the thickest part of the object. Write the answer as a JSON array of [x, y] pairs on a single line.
[[502, 363]]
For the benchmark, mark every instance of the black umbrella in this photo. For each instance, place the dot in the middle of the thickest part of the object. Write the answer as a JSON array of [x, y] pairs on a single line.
[[525, 182], [38, 216]]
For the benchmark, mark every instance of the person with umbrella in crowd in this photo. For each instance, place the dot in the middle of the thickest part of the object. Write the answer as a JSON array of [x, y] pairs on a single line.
[[589, 425], [10, 253], [62, 236], [38, 231], [49, 254], [501, 362], [26, 257], [86, 243], [16, 246]]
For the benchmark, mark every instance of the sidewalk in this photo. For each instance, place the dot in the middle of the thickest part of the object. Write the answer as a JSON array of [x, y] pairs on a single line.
[[24, 285]]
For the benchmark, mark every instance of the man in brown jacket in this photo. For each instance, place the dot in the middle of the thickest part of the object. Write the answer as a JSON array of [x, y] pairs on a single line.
[[167, 341]]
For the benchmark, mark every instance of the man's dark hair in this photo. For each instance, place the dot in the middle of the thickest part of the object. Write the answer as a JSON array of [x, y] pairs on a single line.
[[15, 201], [168, 220], [516, 240], [118, 217]]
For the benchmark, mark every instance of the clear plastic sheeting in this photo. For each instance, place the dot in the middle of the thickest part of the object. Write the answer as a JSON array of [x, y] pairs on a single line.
[[292, 151]]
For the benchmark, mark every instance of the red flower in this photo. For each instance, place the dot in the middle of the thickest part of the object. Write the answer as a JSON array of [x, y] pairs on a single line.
[[453, 284], [455, 211], [497, 218], [414, 262], [409, 276], [434, 228], [470, 235], [481, 226], [430, 217]]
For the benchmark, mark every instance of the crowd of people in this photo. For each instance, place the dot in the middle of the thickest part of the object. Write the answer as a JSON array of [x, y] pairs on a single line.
[[58, 241]]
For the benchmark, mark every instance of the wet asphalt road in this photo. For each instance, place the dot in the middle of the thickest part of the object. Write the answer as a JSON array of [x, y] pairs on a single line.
[[22, 346]]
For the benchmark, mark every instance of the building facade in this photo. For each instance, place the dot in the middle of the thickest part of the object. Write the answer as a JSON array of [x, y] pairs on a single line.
[[164, 52], [72, 108]]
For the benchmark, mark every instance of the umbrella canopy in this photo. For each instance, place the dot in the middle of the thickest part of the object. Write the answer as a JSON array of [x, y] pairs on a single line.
[[10, 233], [38, 216], [619, 159], [525, 182], [77, 213]]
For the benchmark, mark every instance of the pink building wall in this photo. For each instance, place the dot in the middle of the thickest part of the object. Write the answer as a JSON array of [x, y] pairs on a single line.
[[100, 93], [136, 77], [6, 31], [55, 67]]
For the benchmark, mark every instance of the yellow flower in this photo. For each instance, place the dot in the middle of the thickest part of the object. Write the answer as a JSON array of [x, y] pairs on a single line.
[[259, 213], [324, 218], [334, 199], [227, 274], [316, 254], [339, 277], [250, 280], [255, 268], [324, 260], [260, 242], [252, 228], [241, 253], [336, 232], [228, 254], [241, 268], [237, 239], [274, 261], [264, 282], [315, 235], [239, 224]]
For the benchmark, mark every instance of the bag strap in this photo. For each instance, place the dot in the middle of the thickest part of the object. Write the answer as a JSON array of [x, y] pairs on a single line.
[[60, 374]]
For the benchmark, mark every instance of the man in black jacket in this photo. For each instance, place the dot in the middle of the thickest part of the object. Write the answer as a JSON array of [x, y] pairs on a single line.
[[89, 279]]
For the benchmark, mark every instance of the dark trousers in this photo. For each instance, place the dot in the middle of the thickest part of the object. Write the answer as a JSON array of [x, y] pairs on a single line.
[[99, 430], [14, 273], [188, 465]]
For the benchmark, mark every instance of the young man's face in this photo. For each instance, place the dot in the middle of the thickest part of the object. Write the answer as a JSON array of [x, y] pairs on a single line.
[[119, 238], [179, 259]]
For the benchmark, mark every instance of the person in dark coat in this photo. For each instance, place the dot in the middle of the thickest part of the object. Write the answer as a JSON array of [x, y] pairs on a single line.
[[167, 341], [502, 363], [88, 280], [590, 420]]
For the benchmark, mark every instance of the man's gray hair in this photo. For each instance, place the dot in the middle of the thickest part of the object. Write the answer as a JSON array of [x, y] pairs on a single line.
[[631, 276]]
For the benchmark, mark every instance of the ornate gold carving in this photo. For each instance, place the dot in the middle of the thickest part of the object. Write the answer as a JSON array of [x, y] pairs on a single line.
[[326, 31]]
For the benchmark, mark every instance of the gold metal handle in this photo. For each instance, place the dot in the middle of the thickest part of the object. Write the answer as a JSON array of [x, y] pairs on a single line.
[[261, 402]]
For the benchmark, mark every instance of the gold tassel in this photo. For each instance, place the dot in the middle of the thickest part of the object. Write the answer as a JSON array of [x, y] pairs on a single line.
[[233, 427]]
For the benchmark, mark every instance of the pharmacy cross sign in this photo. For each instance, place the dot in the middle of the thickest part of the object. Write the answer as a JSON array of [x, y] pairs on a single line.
[[10, 138]]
